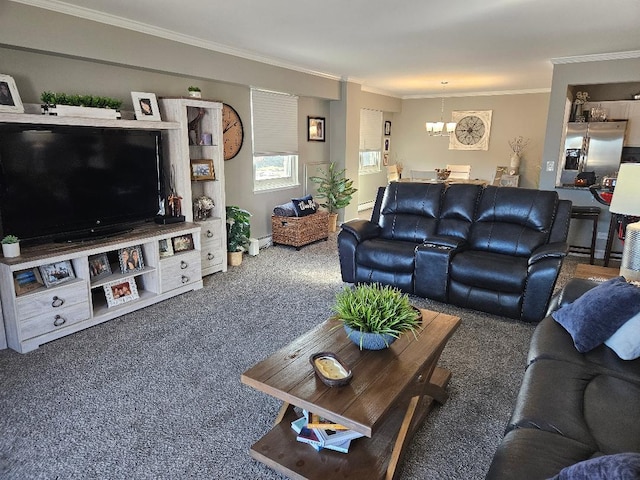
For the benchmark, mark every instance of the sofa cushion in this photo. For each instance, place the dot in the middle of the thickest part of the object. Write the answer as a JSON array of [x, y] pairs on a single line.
[[410, 211], [513, 221], [597, 314], [389, 255], [458, 208], [626, 341], [304, 206], [490, 271], [622, 466]]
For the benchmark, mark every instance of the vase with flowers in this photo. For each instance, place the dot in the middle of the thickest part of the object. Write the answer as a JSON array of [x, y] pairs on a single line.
[[517, 144]]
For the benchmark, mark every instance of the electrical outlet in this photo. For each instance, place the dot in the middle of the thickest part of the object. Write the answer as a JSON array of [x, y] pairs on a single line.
[[551, 166], [602, 236]]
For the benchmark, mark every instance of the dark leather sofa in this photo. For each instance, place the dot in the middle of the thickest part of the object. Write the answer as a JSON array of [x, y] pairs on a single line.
[[494, 249], [572, 407]]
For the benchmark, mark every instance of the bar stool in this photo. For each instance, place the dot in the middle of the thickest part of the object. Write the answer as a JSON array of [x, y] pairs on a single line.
[[586, 213]]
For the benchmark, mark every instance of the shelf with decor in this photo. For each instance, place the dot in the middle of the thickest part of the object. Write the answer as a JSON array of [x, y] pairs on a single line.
[[54, 290], [195, 162]]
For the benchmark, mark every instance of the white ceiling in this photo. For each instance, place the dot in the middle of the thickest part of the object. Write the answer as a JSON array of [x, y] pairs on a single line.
[[405, 48]]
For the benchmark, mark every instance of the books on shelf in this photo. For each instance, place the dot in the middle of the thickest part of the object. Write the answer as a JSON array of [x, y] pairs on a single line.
[[317, 432]]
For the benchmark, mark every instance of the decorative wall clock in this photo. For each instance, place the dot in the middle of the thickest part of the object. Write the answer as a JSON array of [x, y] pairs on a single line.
[[472, 130], [232, 131]]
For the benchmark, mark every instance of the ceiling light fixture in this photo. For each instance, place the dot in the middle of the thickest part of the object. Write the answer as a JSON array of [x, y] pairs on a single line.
[[441, 129]]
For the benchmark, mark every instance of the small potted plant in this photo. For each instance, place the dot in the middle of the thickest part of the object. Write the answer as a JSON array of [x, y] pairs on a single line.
[[10, 246], [238, 232], [336, 189], [375, 315], [194, 92]]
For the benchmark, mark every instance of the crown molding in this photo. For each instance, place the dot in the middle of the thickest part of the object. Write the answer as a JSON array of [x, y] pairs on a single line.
[[479, 94], [115, 21], [597, 57]]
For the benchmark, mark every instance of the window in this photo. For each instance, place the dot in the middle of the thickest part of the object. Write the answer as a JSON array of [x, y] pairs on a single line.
[[274, 119], [370, 140]]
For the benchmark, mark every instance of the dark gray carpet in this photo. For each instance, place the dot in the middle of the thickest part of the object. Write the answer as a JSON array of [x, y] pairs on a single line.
[[157, 393]]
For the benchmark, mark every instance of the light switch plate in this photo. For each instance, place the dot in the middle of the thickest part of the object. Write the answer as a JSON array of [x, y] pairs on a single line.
[[551, 166]]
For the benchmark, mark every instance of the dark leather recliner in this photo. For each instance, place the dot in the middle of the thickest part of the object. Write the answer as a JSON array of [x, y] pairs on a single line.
[[495, 249]]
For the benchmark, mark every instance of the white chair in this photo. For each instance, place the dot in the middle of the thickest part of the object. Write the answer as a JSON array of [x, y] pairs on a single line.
[[460, 171], [392, 173]]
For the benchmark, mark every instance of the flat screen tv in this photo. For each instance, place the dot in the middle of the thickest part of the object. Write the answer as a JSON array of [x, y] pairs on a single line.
[[61, 183]]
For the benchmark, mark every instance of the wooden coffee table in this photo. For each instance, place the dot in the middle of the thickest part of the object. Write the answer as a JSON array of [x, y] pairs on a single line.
[[391, 393]]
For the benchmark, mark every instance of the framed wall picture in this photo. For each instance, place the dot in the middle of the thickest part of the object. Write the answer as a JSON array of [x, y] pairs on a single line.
[[202, 169], [472, 130], [315, 129], [387, 127], [387, 145], [120, 291], [56, 273], [9, 96], [166, 248], [26, 281], [99, 265], [145, 105], [182, 243], [131, 259]]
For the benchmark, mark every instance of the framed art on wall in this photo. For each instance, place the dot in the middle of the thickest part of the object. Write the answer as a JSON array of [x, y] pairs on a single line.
[[387, 127], [315, 129], [472, 130], [9, 96], [145, 105]]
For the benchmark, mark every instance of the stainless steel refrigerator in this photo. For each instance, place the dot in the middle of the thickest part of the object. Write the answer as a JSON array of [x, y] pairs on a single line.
[[591, 147]]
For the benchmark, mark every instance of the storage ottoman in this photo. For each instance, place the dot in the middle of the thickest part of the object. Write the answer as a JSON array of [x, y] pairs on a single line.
[[300, 231]]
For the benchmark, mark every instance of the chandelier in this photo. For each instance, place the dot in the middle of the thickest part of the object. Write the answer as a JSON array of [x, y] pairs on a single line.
[[441, 129]]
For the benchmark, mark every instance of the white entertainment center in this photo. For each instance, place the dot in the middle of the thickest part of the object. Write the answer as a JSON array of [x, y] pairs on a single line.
[[44, 313]]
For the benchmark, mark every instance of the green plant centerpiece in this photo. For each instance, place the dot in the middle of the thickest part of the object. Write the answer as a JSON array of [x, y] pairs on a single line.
[[238, 232], [375, 315], [51, 98], [335, 189]]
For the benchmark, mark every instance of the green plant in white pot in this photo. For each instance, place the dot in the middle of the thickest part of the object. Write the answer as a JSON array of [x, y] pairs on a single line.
[[375, 315], [10, 246], [335, 189], [238, 232]]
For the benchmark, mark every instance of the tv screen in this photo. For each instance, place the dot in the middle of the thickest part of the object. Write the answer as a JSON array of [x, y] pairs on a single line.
[[57, 183]]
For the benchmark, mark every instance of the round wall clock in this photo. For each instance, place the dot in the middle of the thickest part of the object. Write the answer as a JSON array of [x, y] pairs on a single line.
[[232, 131], [472, 130]]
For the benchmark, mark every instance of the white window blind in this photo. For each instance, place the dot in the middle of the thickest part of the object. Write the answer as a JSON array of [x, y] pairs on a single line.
[[275, 123], [370, 130]]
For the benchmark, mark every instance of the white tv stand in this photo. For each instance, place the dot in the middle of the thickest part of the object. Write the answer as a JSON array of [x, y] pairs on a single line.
[[44, 314]]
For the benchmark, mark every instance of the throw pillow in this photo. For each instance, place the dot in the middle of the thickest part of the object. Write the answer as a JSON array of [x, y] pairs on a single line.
[[622, 466], [304, 206], [597, 314], [626, 341]]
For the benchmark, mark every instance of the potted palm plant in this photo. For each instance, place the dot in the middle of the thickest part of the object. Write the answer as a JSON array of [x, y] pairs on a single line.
[[10, 246], [238, 232], [375, 315], [336, 190]]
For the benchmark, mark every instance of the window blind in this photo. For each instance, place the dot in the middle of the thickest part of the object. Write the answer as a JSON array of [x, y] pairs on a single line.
[[370, 130], [275, 123]]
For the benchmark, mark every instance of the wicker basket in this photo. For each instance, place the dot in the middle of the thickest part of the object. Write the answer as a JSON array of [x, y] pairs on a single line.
[[300, 231]]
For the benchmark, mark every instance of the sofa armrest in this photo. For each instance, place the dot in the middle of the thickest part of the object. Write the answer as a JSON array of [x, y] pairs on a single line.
[[444, 242], [362, 229], [573, 290], [550, 250]]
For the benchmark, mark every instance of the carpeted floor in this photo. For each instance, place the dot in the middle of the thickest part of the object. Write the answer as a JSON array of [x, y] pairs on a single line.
[[157, 393]]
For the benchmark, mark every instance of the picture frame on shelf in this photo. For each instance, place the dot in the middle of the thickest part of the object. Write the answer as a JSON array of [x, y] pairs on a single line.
[[9, 96], [99, 265], [509, 180], [387, 128], [26, 281], [202, 169], [166, 247], [500, 171], [56, 273], [315, 129], [120, 291], [182, 243], [145, 106], [131, 259]]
